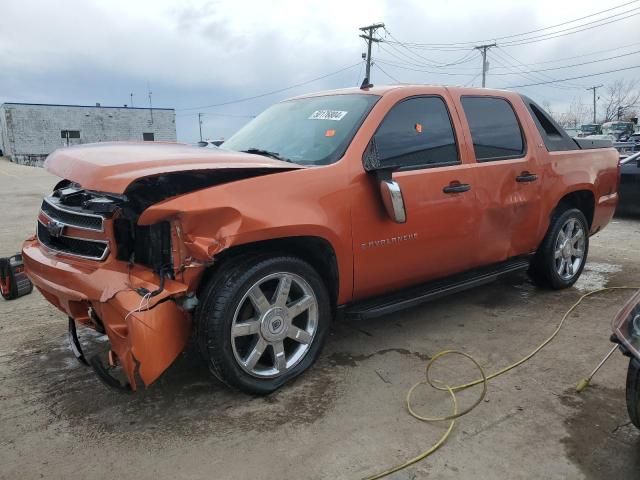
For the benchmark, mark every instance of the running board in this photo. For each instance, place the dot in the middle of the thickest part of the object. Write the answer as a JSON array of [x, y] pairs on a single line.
[[410, 297]]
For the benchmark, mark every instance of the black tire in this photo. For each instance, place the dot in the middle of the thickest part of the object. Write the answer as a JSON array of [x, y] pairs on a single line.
[[543, 265], [633, 391], [223, 295]]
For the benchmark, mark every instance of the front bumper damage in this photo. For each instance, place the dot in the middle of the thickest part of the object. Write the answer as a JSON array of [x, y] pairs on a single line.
[[146, 336]]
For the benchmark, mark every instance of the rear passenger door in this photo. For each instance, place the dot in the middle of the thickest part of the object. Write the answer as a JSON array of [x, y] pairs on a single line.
[[508, 177]]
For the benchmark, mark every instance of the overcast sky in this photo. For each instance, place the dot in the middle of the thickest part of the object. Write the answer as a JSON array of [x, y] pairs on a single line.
[[199, 53]]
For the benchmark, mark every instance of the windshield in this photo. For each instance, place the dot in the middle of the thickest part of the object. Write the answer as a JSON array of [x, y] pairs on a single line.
[[308, 131], [589, 128]]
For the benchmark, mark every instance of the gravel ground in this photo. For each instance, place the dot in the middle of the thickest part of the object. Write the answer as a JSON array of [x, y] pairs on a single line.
[[345, 418]]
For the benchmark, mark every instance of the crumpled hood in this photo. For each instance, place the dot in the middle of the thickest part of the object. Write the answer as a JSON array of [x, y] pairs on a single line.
[[112, 167]]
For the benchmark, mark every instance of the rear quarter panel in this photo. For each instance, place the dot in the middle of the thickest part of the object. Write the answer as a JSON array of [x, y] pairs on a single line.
[[592, 170]]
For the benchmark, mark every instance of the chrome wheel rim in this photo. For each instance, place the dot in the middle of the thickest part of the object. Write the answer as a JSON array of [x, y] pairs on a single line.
[[569, 249], [274, 325]]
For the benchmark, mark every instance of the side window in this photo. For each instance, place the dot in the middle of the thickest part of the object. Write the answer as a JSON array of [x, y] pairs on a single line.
[[553, 135], [417, 132], [495, 130]]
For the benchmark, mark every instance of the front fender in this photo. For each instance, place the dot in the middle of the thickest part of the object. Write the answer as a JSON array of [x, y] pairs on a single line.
[[289, 204]]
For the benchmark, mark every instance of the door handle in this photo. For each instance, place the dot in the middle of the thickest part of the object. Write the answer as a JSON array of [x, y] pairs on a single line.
[[457, 188], [526, 177]]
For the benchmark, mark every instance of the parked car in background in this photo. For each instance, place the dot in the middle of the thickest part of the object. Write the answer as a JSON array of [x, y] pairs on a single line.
[[590, 129], [355, 202], [618, 129], [608, 137], [629, 190]]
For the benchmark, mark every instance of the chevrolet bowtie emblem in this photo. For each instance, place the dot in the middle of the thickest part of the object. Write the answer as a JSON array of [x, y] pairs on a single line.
[[54, 228]]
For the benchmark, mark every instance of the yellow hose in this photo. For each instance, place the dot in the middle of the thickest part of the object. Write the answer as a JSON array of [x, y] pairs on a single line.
[[484, 380]]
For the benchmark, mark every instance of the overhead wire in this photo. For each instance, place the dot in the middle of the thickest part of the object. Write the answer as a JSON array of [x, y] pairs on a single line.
[[468, 44], [575, 78], [265, 94]]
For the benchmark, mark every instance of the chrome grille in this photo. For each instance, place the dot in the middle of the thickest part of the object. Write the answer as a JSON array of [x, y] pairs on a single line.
[[77, 247], [87, 221]]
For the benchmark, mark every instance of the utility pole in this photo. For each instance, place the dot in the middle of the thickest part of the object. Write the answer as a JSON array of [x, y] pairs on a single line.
[[200, 124], [150, 104], [131, 95], [371, 30], [594, 88], [484, 49]]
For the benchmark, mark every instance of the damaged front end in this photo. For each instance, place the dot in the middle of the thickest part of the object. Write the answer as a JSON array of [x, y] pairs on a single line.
[[91, 260], [94, 259]]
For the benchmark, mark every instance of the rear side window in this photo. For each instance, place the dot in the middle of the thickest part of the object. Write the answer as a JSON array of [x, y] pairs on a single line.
[[417, 132], [494, 128], [553, 135]]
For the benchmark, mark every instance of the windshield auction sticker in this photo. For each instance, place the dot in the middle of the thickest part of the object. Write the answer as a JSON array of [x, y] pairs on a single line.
[[336, 115]]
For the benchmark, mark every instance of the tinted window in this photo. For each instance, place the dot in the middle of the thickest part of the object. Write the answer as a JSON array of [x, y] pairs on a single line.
[[553, 135], [417, 132], [494, 128], [148, 137]]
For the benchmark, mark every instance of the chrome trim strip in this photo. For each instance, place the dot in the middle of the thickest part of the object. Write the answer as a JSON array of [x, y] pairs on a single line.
[[62, 209], [105, 254]]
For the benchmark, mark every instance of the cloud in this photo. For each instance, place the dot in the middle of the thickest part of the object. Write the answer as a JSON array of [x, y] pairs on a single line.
[[202, 52]]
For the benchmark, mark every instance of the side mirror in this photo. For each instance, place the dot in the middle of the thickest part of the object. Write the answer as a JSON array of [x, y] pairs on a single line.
[[392, 199], [389, 189]]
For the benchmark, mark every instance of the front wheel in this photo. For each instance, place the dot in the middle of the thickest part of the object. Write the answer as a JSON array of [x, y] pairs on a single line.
[[633, 391], [262, 322], [562, 254]]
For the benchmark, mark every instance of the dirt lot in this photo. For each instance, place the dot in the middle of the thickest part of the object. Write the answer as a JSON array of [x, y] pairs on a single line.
[[346, 417]]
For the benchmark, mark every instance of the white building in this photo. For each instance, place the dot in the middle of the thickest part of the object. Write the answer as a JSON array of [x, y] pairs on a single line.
[[30, 132]]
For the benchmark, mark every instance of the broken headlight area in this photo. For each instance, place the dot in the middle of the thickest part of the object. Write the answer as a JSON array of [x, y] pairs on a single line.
[[148, 245]]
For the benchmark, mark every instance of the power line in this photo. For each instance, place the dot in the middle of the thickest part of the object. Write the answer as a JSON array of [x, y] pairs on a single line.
[[271, 92], [527, 76], [575, 78], [527, 41], [455, 74], [575, 64], [209, 114], [430, 62], [471, 43], [585, 54], [528, 64], [536, 76], [383, 71]]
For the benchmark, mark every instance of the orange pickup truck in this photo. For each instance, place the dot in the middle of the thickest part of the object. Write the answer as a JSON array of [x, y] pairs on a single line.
[[354, 202]]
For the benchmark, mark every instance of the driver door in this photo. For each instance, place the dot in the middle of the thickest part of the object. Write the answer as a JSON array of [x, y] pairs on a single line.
[[418, 135]]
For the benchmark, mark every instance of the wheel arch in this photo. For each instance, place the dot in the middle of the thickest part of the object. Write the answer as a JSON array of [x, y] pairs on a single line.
[[316, 251], [583, 199]]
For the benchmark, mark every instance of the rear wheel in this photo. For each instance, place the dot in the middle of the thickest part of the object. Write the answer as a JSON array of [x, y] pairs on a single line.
[[562, 254], [633, 391], [262, 322]]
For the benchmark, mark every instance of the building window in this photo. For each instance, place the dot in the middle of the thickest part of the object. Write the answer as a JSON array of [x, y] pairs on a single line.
[[494, 128], [67, 134], [148, 137]]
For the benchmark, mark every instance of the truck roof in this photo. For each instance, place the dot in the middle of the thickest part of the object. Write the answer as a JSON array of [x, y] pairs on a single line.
[[417, 88]]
